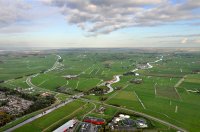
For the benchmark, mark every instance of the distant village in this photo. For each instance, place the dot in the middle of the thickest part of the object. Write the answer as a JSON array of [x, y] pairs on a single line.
[[13, 105]]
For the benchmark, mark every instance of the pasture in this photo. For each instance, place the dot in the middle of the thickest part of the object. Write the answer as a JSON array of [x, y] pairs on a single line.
[[54, 119], [156, 95]]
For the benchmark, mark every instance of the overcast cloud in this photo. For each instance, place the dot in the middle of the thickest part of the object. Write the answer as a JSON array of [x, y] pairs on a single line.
[[12, 11], [104, 16], [136, 22]]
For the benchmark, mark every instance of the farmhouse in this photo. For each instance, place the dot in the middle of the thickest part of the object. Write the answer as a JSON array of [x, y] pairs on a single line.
[[136, 81], [99, 90], [45, 94], [68, 77], [137, 74], [129, 73], [101, 109]]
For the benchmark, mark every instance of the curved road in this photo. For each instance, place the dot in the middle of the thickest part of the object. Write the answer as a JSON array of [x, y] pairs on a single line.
[[28, 80], [142, 114], [92, 101], [38, 116], [43, 114]]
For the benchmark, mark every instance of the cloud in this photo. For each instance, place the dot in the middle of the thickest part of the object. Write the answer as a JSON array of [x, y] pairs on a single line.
[[176, 36], [184, 40], [18, 16], [105, 16], [197, 41], [12, 11]]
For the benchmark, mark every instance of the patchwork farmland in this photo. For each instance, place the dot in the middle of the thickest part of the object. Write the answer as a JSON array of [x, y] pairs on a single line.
[[167, 90]]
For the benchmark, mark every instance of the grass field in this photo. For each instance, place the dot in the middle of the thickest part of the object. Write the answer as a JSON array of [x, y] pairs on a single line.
[[156, 95], [126, 98], [51, 121]]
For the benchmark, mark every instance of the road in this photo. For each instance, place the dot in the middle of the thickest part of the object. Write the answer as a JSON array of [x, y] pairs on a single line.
[[180, 82], [92, 101], [44, 113], [31, 85], [91, 110], [39, 115], [142, 114], [56, 64]]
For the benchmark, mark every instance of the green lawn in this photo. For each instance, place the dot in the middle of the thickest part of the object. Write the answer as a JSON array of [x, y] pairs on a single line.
[[47, 120]]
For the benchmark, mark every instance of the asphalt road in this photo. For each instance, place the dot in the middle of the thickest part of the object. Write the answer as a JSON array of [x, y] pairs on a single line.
[[39, 115], [142, 114], [92, 101]]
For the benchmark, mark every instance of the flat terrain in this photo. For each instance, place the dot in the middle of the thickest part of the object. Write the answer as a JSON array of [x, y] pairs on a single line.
[[167, 90]]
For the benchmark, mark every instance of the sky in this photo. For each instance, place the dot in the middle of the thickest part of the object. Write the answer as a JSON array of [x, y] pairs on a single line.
[[99, 23]]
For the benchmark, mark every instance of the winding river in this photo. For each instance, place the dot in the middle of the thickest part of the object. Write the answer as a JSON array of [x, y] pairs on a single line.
[[117, 77]]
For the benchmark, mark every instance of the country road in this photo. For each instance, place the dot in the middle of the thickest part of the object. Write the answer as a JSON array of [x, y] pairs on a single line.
[[142, 114], [28, 81], [56, 65], [38, 116], [43, 114], [180, 81]]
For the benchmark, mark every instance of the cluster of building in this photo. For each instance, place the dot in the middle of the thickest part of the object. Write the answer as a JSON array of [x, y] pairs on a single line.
[[136, 80], [144, 66], [99, 90], [14, 105], [133, 73], [88, 127], [91, 124], [125, 123]]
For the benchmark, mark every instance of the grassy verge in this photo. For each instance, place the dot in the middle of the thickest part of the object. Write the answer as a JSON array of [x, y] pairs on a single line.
[[56, 118]]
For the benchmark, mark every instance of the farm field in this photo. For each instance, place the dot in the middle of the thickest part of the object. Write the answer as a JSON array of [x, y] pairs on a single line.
[[50, 121], [169, 90]]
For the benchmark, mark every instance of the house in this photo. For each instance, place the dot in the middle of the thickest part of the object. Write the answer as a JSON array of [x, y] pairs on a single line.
[[45, 94], [136, 81], [101, 109], [68, 77]]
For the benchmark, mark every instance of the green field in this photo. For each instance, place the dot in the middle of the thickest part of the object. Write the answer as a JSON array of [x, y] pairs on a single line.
[[54, 119], [165, 91]]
